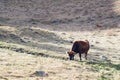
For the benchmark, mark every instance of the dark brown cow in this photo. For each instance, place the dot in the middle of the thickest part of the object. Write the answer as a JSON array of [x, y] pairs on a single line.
[[79, 47]]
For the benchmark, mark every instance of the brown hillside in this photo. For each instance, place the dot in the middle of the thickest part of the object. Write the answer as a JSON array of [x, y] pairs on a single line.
[[60, 14]]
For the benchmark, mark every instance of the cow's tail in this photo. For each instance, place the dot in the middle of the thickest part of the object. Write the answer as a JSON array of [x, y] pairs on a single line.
[[87, 43]]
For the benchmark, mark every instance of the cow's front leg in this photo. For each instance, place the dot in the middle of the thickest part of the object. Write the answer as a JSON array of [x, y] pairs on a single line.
[[80, 56], [86, 55]]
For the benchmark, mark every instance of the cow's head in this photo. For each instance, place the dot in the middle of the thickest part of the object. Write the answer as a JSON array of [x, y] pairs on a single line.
[[71, 54]]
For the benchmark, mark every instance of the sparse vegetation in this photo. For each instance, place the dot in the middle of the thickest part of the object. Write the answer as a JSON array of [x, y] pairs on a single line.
[[21, 61], [35, 35]]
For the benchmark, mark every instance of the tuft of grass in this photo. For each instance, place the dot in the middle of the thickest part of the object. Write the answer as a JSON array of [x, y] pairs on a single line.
[[106, 69], [106, 76], [111, 32]]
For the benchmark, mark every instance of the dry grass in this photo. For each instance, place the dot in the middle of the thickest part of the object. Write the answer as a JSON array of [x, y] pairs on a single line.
[[19, 62], [20, 66], [8, 28]]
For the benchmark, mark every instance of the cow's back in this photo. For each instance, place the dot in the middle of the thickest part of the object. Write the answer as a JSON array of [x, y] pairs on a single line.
[[84, 46], [80, 46]]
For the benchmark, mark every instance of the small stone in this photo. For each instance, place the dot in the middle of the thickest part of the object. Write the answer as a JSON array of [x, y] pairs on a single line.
[[40, 74]]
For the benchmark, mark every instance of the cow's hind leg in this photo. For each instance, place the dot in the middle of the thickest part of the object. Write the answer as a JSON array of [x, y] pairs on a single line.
[[86, 55], [80, 56]]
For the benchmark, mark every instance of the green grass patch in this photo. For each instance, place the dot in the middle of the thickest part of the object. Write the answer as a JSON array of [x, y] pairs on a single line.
[[106, 69]]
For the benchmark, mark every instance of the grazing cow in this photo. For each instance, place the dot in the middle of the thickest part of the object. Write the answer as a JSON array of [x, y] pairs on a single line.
[[79, 47]]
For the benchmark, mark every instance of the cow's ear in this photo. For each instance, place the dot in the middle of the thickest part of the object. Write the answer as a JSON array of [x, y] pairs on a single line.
[[68, 52], [73, 52]]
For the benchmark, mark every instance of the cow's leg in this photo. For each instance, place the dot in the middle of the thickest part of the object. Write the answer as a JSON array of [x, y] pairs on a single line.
[[80, 56], [86, 55]]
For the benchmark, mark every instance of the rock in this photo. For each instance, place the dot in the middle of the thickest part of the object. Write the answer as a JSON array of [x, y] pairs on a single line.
[[40, 74], [103, 58]]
